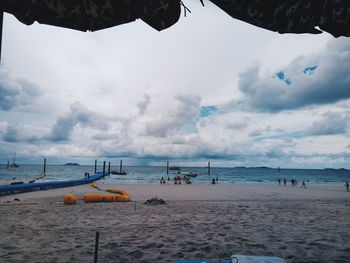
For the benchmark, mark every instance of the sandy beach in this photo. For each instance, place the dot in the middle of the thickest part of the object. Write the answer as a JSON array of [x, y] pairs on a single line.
[[199, 221]]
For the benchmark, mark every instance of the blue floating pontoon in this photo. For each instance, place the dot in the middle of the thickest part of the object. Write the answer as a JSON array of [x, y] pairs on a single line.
[[22, 188]]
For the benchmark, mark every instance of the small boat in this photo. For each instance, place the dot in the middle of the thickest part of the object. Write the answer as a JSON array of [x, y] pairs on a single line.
[[120, 172], [14, 165], [176, 168], [191, 174]]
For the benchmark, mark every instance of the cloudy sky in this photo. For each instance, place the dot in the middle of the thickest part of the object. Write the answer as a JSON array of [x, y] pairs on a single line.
[[209, 88]]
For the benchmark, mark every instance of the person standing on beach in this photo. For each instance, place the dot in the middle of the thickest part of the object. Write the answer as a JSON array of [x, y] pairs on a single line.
[[279, 181], [347, 186], [217, 180], [285, 181], [303, 185]]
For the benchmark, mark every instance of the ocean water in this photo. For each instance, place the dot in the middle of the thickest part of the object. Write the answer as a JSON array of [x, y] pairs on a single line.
[[152, 174]]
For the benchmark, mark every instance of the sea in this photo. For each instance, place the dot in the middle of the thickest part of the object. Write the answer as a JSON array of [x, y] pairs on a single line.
[[153, 174]]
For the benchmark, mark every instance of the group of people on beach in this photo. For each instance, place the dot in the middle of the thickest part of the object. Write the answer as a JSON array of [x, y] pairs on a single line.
[[177, 180], [215, 180], [87, 175], [293, 181]]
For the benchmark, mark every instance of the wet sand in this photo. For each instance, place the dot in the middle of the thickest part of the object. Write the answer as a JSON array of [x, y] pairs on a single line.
[[198, 222]]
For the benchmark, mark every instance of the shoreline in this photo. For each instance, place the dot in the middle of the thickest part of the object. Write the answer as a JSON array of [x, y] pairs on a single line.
[[196, 192]]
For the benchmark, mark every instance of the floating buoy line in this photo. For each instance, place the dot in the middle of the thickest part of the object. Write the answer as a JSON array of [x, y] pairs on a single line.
[[113, 195]]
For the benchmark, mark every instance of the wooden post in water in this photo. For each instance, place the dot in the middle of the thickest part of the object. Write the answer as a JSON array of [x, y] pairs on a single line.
[[44, 165], [96, 246], [109, 168], [167, 167], [104, 167], [1, 22], [8, 164], [208, 168], [121, 166], [95, 166]]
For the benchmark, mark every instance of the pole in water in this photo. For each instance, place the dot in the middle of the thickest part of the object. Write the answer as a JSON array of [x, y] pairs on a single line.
[[104, 167], [44, 165], [121, 166], [1, 22], [95, 165], [167, 167], [109, 168], [135, 205], [96, 246], [8, 164], [208, 168]]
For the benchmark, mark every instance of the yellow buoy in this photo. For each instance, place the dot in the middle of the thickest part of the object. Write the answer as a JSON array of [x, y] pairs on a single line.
[[93, 198], [70, 199]]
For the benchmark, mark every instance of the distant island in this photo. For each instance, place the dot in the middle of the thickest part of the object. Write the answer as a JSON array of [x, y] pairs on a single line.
[[258, 167], [72, 164]]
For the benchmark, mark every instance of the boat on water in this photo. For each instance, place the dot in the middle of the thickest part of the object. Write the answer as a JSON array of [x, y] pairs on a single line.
[[191, 174], [14, 164], [118, 172], [175, 168]]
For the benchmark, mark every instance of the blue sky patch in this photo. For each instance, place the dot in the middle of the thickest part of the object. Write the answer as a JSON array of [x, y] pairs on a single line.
[[207, 111], [283, 77], [189, 127], [309, 70], [294, 135]]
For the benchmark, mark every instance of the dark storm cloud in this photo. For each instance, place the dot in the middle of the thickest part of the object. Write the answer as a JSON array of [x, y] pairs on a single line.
[[15, 91], [78, 115], [20, 133], [11, 134], [312, 80], [332, 123]]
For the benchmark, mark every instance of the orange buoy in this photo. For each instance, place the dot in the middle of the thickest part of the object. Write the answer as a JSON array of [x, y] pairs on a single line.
[[70, 199], [93, 198], [109, 197], [122, 198]]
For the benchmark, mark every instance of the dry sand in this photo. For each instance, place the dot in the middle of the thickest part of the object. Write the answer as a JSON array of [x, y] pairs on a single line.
[[198, 222]]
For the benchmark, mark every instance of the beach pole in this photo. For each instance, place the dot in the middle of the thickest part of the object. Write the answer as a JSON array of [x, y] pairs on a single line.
[[8, 164], [121, 166], [95, 166], [109, 168], [104, 167], [44, 165], [208, 168], [167, 167], [96, 246]]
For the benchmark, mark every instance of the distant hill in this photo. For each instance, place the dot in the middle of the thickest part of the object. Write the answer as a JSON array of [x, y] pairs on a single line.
[[72, 164]]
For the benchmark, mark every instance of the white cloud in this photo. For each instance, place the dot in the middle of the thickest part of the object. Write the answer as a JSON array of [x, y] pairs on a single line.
[[328, 84], [132, 92], [16, 92]]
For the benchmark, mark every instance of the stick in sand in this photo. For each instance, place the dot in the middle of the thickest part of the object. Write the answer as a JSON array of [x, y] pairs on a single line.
[[96, 246]]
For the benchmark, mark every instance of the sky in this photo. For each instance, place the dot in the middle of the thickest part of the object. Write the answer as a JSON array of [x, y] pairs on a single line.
[[209, 88]]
